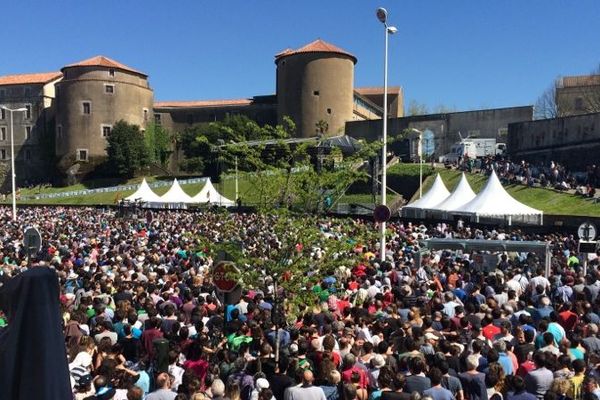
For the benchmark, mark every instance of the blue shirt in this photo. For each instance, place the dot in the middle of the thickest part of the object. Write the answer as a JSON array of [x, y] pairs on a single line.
[[506, 363]]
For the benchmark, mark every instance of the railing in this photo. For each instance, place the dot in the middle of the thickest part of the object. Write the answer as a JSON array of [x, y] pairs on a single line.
[[121, 188]]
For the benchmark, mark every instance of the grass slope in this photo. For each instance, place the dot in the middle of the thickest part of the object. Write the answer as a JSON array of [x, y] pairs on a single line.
[[548, 200]]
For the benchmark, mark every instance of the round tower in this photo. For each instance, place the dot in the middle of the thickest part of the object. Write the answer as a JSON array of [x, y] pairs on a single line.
[[93, 95], [315, 87]]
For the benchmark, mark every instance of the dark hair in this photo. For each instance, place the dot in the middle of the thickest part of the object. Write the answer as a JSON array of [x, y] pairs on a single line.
[[436, 376]]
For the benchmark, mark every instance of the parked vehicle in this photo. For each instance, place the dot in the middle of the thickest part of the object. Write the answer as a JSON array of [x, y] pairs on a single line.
[[473, 148]]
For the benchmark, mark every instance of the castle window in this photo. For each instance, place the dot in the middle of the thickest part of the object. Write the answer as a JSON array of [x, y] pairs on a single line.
[[82, 155], [329, 111], [105, 130], [86, 107], [2, 154], [111, 72], [27, 132], [2, 113], [157, 120], [316, 93], [145, 112], [59, 131], [109, 89], [27, 111], [2, 133]]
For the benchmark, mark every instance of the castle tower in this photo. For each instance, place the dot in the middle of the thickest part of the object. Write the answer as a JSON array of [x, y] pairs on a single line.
[[92, 96], [315, 83]]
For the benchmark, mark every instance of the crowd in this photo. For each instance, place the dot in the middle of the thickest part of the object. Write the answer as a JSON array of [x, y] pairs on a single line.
[[550, 174], [142, 318]]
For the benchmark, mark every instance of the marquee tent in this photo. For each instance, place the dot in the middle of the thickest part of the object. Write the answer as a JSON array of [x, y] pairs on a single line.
[[434, 196], [494, 203], [176, 195], [209, 194], [460, 196], [144, 194]]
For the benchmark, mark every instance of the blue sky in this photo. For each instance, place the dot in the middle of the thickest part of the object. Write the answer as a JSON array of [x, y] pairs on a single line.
[[462, 54]]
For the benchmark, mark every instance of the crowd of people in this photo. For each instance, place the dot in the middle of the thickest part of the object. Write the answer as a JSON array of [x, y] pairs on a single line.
[[143, 319], [552, 174]]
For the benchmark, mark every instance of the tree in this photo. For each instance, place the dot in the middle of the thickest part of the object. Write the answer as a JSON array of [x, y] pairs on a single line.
[[127, 151], [546, 105], [416, 108], [322, 127], [158, 142]]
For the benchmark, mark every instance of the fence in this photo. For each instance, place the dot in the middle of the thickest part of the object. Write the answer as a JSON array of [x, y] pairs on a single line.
[[122, 188]]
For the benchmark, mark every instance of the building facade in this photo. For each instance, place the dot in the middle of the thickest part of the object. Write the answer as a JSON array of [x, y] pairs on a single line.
[[577, 95], [36, 94]]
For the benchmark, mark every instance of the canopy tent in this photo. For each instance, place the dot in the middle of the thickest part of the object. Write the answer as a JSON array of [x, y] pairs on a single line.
[[434, 196], [144, 194], [176, 195], [460, 196], [494, 203], [209, 194]]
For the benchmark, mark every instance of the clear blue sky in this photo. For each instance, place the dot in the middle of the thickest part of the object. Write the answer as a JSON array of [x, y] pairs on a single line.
[[463, 54]]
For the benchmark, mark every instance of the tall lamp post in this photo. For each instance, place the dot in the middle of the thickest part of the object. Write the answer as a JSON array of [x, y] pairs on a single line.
[[12, 160], [389, 30]]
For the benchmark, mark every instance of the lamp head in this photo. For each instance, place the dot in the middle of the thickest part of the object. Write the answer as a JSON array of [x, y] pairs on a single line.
[[391, 30], [382, 15]]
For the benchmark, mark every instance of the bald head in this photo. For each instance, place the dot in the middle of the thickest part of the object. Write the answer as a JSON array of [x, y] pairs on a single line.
[[308, 377]]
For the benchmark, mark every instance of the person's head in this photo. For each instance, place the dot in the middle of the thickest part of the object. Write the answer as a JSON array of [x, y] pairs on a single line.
[[135, 393], [217, 388], [349, 392], [334, 377], [518, 384], [472, 362], [163, 381], [308, 377], [539, 358], [435, 375], [590, 384], [579, 366], [560, 386]]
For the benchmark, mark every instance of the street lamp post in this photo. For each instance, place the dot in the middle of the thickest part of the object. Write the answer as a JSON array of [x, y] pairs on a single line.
[[389, 30], [420, 151], [12, 160]]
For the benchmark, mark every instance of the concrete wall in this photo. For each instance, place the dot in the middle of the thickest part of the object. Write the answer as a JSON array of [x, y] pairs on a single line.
[[492, 123], [573, 141], [313, 87], [76, 130]]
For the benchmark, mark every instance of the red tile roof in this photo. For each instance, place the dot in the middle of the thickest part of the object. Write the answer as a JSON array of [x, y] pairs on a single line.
[[101, 61], [318, 46], [202, 103], [24, 79], [377, 90]]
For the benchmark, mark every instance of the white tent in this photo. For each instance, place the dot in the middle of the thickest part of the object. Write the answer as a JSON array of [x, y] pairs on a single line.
[[493, 202], [434, 196], [144, 194], [175, 195], [209, 194], [460, 196]]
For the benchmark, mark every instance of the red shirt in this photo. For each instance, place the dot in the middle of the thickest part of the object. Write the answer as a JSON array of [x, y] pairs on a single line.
[[363, 381], [490, 331], [568, 320]]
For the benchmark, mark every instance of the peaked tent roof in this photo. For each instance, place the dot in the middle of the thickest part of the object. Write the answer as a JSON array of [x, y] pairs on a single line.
[[318, 46], [175, 194], [461, 195], [145, 194], [435, 195], [102, 61], [208, 194], [493, 200]]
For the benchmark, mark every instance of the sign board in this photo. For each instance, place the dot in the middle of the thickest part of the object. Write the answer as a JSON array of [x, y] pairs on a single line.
[[587, 247], [32, 241], [485, 262], [586, 231], [224, 276], [382, 213]]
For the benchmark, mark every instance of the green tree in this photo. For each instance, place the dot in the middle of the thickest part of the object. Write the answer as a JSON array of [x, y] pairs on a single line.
[[158, 142], [127, 151]]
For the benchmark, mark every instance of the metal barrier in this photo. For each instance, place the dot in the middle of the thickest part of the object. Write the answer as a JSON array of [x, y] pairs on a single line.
[[121, 188]]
